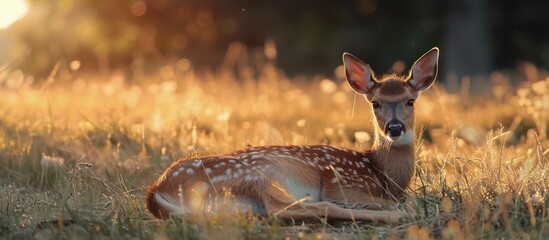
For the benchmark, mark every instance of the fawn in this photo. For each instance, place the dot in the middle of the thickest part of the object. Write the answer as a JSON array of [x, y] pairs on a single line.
[[307, 182]]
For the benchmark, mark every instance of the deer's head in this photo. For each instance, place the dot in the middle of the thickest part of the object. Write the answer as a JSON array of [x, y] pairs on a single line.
[[393, 97]]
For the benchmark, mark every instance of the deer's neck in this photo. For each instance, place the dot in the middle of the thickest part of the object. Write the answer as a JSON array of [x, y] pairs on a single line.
[[396, 160]]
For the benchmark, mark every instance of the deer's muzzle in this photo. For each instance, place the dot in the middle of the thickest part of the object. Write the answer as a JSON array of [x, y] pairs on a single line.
[[394, 129]]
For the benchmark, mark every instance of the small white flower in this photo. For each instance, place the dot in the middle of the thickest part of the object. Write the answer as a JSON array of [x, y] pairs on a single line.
[[48, 161]]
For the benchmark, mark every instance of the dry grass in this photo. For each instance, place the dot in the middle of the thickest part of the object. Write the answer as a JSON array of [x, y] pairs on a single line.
[[77, 151]]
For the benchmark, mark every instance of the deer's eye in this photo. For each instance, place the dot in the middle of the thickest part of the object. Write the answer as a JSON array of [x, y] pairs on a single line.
[[375, 105], [410, 103]]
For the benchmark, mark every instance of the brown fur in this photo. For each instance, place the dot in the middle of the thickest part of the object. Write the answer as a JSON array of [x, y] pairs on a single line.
[[284, 166], [392, 87]]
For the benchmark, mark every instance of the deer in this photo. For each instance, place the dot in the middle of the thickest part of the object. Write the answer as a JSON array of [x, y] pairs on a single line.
[[311, 181]]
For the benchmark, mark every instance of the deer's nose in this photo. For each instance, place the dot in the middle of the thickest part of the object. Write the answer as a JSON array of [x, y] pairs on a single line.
[[394, 128]]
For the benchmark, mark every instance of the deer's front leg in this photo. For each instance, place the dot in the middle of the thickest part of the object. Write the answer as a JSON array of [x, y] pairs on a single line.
[[326, 210], [287, 208], [355, 198]]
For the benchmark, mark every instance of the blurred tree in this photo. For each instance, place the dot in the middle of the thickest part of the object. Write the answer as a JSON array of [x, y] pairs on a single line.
[[309, 35], [467, 38]]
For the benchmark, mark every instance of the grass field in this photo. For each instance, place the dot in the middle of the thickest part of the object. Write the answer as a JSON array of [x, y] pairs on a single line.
[[78, 150]]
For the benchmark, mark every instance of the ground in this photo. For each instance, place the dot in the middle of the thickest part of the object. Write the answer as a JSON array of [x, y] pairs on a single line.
[[78, 150]]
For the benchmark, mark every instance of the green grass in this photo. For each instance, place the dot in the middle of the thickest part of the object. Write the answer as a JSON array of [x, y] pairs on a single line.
[[77, 152]]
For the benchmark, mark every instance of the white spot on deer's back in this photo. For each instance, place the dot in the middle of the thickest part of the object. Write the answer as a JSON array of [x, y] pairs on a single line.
[[251, 178], [175, 173], [196, 163], [190, 171], [219, 165], [208, 171], [219, 178]]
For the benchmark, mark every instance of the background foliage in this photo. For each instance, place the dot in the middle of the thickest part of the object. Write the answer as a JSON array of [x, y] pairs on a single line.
[[309, 35]]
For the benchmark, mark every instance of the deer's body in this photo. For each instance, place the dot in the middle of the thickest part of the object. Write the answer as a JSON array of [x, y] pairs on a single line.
[[304, 182]]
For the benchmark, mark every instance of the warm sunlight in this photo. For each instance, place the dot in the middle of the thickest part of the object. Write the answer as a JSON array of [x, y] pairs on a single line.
[[10, 11], [205, 119]]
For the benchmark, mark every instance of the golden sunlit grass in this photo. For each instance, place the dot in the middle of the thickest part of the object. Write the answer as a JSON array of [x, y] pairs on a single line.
[[78, 150]]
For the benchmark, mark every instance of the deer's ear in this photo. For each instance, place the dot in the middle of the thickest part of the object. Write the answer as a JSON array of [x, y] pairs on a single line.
[[424, 71], [359, 75]]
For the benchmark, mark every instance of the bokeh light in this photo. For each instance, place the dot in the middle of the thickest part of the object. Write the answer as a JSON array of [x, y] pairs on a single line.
[[11, 11]]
